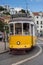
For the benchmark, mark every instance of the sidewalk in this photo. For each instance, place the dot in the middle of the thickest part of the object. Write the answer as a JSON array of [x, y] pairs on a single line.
[[40, 38], [3, 47]]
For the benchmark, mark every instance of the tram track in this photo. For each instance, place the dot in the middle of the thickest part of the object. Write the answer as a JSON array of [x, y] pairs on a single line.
[[22, 61]]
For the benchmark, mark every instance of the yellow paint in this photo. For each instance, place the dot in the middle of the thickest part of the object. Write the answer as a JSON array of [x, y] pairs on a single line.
[[25, 41], [34, 40]]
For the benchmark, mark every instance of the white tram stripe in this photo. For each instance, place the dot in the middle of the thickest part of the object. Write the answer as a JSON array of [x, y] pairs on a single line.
[[22, 61]]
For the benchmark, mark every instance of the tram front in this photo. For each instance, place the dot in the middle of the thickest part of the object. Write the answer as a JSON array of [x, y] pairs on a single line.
[[22, 34]]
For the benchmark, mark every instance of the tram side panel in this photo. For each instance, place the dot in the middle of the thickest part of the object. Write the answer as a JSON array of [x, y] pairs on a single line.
[[34, 36]]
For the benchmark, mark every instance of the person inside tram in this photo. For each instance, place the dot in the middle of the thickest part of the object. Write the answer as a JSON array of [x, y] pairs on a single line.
[[18, 31]]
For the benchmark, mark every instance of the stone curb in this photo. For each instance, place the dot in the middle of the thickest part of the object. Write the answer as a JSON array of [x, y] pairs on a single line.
[[40, 38], [5, 51]]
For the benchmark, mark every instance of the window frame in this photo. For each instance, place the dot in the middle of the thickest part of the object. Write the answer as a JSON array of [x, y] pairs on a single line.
[[22, 28]]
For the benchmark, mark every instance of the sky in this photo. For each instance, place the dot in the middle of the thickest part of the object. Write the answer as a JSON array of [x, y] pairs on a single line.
[[33, 5]]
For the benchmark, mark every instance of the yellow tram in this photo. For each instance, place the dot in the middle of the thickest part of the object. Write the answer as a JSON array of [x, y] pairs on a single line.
[[22, 32]]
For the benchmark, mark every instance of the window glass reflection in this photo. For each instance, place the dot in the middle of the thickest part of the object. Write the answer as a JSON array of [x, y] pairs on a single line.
[[11, 29], [18, 28], [26, 28]]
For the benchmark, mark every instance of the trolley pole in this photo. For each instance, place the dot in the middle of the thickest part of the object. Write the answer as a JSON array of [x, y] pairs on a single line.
[[26, 8]]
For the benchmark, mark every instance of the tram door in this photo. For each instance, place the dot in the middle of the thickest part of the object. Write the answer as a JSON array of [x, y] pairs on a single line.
[[32, 33]]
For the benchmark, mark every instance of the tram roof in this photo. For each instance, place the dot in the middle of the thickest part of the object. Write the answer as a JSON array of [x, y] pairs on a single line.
[[20, 18], [21, 21]]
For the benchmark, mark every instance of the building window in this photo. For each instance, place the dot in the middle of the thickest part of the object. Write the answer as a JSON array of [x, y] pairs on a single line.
[[41, 22], [37, 16], [41, 26], [40, 32], [37, 22]]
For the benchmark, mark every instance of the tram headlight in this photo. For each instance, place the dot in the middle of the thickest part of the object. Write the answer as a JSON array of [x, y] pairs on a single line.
[[18, 43]]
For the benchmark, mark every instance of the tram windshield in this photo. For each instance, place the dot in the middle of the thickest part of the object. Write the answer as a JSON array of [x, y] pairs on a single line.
[[20, 29], [26, 28], [11, 29]]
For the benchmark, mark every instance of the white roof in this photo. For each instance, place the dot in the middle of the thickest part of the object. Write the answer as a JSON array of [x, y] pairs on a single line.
[[22, 20]]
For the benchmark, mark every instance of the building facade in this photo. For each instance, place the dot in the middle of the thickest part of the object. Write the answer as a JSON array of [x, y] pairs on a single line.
[[38, 18], [12, 11]]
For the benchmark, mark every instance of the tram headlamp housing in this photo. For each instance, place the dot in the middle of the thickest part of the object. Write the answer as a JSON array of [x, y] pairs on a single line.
[[18, 43]]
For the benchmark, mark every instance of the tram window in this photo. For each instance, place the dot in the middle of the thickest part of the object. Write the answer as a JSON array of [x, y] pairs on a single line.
[[26, 28], [11, 29], [18, 28]]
